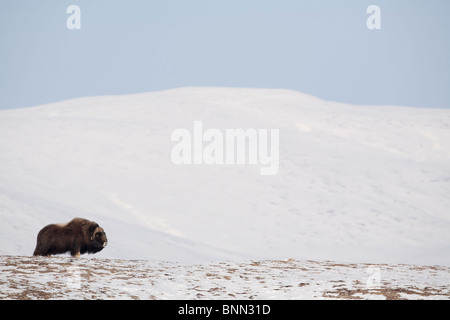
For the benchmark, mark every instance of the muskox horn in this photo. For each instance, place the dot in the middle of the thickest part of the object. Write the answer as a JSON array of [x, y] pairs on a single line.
[[98, 229]]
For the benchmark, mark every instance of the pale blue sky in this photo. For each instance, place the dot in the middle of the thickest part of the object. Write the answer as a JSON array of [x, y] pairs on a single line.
[[320, 47]]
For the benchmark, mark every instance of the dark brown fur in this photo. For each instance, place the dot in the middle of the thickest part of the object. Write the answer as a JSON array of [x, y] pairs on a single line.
[[77, 237]]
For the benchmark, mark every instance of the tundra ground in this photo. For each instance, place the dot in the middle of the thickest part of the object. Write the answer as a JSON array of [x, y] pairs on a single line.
[[90, 278]]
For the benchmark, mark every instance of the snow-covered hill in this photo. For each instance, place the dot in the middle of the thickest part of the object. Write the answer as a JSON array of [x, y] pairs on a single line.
[[355, 183]]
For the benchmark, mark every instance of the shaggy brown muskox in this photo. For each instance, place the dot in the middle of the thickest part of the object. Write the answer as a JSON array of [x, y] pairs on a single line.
[[77, 237]]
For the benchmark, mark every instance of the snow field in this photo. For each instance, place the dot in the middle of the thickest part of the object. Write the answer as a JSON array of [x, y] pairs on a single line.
[[355, 183]]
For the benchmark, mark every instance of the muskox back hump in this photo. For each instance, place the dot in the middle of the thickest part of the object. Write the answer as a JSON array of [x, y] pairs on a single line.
[[62, 225]]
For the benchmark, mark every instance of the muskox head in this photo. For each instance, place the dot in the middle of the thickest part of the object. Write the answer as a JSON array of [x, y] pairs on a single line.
[[98, 238]]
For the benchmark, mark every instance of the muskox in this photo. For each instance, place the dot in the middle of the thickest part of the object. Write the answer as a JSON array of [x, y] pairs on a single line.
[[77, 237]]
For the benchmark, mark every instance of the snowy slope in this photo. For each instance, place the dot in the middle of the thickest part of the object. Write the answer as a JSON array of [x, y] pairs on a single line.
[[355, 183]]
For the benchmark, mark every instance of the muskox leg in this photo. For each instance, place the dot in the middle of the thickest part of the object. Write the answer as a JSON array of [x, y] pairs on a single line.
[[75, 250], [75, 253]]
